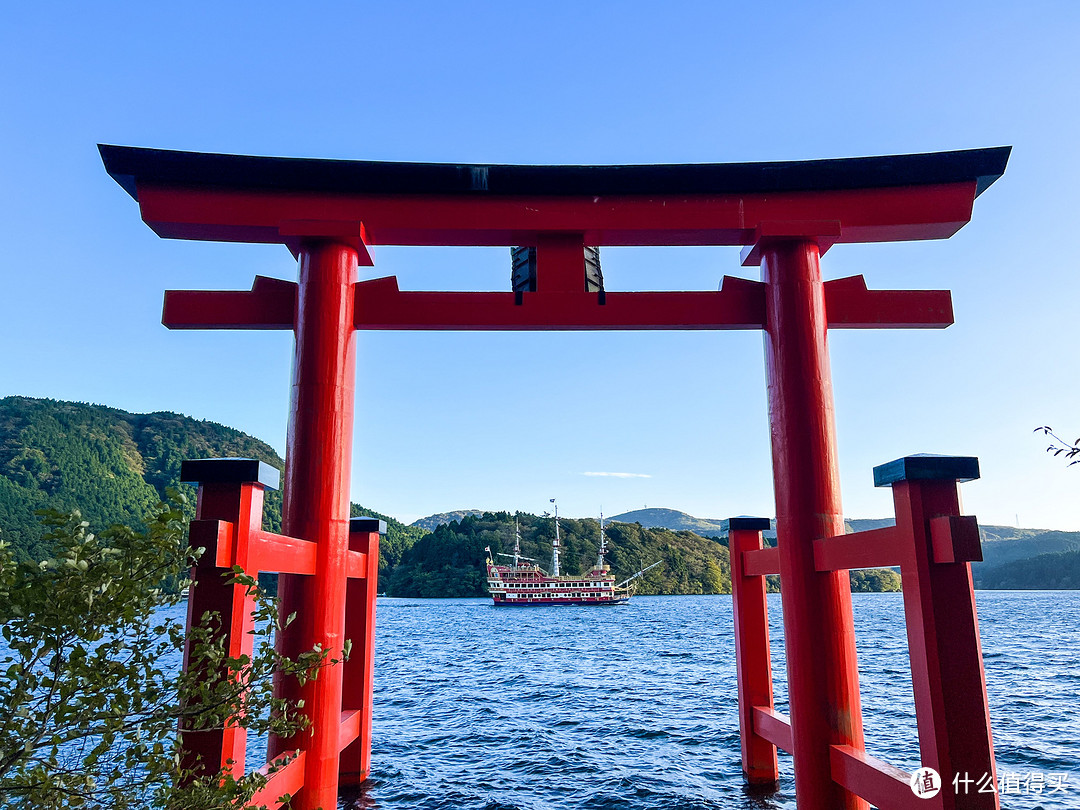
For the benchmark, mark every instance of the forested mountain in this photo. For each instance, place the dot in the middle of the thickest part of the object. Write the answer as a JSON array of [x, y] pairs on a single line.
[[114, 466], [1024, 544], [1056, 571], [1002, 546], [450, 560], [430, 522], [110, 464]]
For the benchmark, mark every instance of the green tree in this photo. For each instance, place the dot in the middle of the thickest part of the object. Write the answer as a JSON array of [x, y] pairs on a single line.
[[874, 580], [92, 695], [713, 579]]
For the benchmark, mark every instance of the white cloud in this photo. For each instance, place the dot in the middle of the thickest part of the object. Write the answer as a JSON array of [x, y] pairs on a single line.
[[618, 474]]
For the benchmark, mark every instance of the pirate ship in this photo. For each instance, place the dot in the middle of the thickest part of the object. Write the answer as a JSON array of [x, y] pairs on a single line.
[[523, 583]]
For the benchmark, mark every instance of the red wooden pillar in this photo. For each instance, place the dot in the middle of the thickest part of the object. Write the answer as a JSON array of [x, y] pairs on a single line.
[[753, 664], [359, 671], [316, 500], [823, 676], [948, 679], [230, 490]]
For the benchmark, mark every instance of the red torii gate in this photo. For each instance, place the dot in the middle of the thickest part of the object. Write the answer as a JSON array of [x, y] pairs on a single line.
[[329, 213]]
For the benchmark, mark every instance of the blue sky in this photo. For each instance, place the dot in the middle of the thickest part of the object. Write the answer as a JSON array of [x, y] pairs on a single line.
[[507, 421]]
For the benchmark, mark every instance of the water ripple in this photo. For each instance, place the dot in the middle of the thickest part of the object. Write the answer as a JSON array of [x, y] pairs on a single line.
[[634, 707]]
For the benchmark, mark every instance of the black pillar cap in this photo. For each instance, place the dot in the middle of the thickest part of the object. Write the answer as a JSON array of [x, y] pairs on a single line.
[[754, 524], [927, 467], [366, 524], [229, 471]]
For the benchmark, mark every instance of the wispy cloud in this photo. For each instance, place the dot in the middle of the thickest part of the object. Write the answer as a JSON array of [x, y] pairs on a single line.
[[618, 474]]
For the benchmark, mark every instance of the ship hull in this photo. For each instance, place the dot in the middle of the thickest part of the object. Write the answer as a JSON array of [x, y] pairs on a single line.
[[560, 602], [526, 585]]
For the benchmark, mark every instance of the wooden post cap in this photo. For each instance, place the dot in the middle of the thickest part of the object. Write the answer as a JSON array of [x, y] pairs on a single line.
[[927, 467], [366, 524], [753, 524], [229, 471]]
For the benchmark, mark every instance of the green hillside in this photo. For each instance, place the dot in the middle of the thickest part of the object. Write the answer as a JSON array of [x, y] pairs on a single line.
[[1055, 571], [113, 466], [110, 464], [450, 560]]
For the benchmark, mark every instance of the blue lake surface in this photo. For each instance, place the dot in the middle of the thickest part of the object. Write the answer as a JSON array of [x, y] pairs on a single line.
[[635, 707]]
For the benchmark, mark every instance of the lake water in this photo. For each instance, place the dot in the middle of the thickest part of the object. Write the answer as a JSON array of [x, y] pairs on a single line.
[[634, 707]]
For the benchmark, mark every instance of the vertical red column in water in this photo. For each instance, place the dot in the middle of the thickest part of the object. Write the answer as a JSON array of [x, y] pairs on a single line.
[[316, 500], [753, 665], [358, 673], [944, 646], [823, 676]]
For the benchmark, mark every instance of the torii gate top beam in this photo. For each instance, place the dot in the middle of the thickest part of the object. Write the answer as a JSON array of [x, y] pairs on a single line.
[[192, 195]]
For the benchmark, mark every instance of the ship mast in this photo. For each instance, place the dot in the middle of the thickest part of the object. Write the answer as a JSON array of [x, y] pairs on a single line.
[[603, 545], [555, 544], [517, 541]]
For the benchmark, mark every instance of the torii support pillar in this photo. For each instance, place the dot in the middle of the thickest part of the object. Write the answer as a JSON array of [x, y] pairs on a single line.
[[316, 505], [823, 673]]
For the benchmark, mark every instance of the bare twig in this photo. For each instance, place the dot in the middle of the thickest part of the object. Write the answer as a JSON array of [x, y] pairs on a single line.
[[1071, 450]]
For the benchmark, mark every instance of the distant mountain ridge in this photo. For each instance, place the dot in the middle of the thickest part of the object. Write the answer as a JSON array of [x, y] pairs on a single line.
[[673, 519], [114, 466], [432, 522], [1002, 545]]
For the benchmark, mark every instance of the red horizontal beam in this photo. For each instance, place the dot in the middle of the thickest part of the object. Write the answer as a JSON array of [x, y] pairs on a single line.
[[270, 304], [218, 537], [850, 305], [881, 784], [350, 728], [760, 562], [955, 538], [876, 548], [865, 215], [266, 551], [773, 726], [356, 565], [287, 780], [282, 554], [738, 304]]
